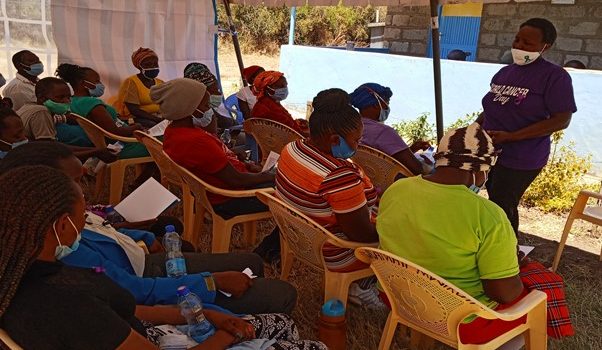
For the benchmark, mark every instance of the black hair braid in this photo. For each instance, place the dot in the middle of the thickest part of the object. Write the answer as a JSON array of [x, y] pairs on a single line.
[[333, 113], [33, 198], [72, 73], [48, 153]]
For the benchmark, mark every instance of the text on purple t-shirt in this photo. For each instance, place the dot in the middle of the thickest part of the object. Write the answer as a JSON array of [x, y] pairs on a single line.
[[523, 95]]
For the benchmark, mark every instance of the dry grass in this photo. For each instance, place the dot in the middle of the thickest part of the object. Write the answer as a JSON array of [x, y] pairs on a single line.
[[581, 270]]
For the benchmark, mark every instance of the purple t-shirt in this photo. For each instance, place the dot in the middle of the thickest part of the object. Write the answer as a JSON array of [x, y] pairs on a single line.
[[521, 96], [382, 137]]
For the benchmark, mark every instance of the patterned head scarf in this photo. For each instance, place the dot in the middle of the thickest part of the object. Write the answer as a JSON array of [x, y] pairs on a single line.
[[364, 96], [141, 54], [468, 148], [248, 73], [200, 72], [263, 80]]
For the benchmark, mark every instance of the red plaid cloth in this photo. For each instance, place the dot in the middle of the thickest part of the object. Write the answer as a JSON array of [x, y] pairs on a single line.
[[535, 276]]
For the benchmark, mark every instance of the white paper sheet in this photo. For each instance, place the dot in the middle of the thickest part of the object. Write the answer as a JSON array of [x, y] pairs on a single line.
[[146, 202], [271, 161], [159, 129], [526, 249]]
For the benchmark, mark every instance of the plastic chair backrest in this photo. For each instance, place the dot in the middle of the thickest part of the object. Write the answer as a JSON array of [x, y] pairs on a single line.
[[5, 338], [197, 186], [425, 300], [303, 235], [231, 105], [98, 135], [271, 136], [155, 148], [381, 168]]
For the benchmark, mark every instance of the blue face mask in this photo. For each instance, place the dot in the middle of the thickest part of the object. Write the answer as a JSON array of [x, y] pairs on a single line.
[[384, 114], [203, 121], [62, 251], [342, 150], [150, 73], [99, 89], [35, 69], [215, 100], [280, 94], [2, 80]]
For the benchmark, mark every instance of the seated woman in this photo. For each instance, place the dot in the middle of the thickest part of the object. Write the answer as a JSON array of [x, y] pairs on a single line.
[[465, 238], [315, 177], [271, 88], [372, 100], [144, 275], [201, 73], [47, 305], [50, 112], [133, 100], [246, 97], [189, 143], [87, 90], [12, 132]]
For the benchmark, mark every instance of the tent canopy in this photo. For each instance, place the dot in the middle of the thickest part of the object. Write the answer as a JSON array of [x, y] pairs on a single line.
[[361, 2]]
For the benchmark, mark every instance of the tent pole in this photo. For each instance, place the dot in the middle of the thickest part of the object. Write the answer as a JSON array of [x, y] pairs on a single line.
[[291, 30], [234, 35], [437, 67]]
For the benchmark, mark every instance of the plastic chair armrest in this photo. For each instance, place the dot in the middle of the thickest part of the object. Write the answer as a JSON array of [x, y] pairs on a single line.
[[239, 194], [350, 244], [523, 307]]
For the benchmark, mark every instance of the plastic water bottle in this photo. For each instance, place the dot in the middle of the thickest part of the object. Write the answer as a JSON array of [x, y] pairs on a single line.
[[174, 262], [112, 216], [226, 137], [191, 308], [332, 327]]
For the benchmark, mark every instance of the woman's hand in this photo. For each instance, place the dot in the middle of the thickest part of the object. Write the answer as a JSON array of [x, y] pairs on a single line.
[[500, 137], [235, 283], [237, 327], [139, 225]]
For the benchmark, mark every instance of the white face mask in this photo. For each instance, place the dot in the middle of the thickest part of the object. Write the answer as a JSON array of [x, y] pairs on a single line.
[[205, 120], [523, 58], [474, 188]]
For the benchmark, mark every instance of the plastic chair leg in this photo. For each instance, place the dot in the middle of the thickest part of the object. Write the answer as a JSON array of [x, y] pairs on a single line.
[[222, 232], [536, 337], [188, 216], [286, 261], [565, 234], [100, 182], [336, 285], [420, 341], [388, 332], [250, 232], [116, 187], [138, 169]]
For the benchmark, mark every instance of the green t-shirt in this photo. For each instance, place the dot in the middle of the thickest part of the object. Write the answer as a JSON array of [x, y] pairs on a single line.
[[450, 231]]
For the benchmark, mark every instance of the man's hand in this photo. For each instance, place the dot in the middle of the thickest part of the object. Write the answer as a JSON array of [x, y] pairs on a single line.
[[235, 283], [134, 225], [106, 155], [420, 145]]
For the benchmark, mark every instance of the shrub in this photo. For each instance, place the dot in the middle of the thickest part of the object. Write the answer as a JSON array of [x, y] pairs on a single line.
[[559, 183], [264, 29], [417, 129]]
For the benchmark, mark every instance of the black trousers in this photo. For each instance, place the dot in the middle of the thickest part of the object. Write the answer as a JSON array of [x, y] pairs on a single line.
[[506, 187]]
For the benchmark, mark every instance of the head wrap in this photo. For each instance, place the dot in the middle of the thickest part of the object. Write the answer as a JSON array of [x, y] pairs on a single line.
[[364, 97], [200, 72], [263, 80], [248, 72], [468, 148], [141, 54], [178, 98]]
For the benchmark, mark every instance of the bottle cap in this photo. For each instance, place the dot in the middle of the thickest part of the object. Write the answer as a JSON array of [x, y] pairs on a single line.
[[182, 291], [333, 308], [109, 209], [170, 228]]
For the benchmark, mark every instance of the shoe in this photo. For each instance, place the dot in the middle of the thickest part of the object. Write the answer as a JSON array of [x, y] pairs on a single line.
[[365, 297]]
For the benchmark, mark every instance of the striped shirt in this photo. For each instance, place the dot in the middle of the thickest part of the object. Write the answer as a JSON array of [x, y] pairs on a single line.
[[320, 186]]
